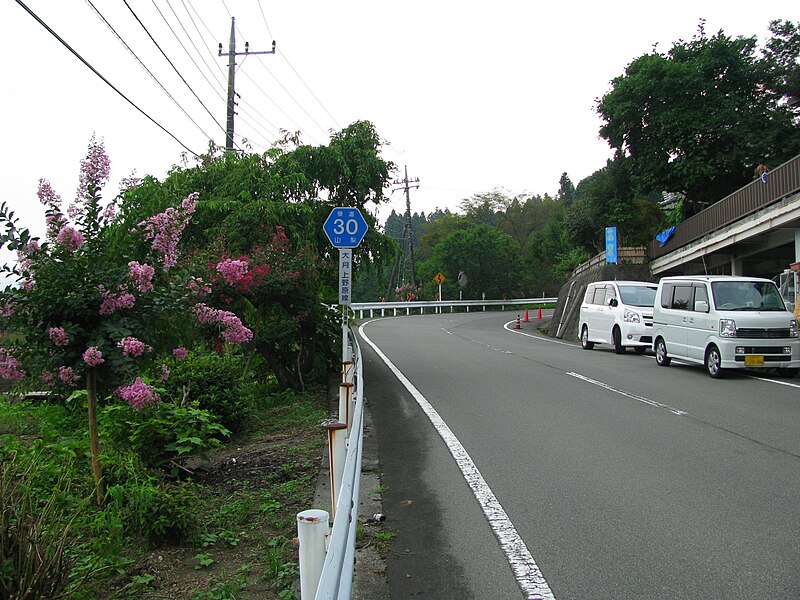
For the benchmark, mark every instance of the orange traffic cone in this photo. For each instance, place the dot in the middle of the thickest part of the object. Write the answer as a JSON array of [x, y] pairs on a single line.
[[526, 316], [517, 326], [539, 316]]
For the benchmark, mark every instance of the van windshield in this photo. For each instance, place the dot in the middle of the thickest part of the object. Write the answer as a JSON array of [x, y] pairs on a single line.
[[747, 295], [638, 295]]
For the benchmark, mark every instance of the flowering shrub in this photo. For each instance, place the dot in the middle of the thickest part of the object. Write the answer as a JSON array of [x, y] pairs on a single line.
[[93, 357], [83, 305], [133, 347], [138, 395]]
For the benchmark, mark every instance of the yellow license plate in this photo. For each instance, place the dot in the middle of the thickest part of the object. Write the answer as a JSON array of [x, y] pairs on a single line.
[[754, 360]]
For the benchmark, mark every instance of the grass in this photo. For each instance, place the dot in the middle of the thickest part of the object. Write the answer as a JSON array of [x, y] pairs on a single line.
[[231, 537]]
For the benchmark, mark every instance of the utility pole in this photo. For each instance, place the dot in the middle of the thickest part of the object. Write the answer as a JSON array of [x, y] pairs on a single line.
[[407, 243], [232, 54]]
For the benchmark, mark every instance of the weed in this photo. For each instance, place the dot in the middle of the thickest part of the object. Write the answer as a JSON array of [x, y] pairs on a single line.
[[204, 560]]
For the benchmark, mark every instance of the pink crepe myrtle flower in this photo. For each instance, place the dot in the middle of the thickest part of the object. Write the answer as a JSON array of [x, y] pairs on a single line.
[[48, 378], [199, 287], [10, 367], [93, 357], [164, 372], [109, 212], [113, 302], [95, 168], [142, 275], [47, 195], [205, 314], [68, 376], [138, 394], [58, 336], [233, 270], [180, 353], [164, 229], [24, 255], [129, 183], [233, 330], [69, 238], [133, 347]]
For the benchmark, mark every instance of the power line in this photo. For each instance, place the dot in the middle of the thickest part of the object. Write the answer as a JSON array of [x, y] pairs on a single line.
[[135, 16], [129, 49], [175, 35], [267, 135], [283, 55], [106, 81], [299, 127]]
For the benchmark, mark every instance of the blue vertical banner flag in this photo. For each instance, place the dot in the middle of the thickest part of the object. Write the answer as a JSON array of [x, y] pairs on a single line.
[[345, 275], [611, 245]]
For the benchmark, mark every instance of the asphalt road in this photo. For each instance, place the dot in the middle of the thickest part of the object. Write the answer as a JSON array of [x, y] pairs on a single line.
[[554, 472]]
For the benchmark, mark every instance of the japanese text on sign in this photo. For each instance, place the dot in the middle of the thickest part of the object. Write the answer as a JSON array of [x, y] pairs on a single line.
[[345, 272]]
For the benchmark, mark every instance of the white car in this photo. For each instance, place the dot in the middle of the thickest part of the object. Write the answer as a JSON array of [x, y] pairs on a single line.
[[618, 313], [725, 322]]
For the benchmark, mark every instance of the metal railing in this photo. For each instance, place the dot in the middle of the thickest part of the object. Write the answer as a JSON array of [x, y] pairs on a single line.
[[632, 255], [419, 307], [779, 183], [327, 554]]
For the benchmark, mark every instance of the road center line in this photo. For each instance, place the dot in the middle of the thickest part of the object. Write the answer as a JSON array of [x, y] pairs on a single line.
[[605, 386], [526, 571]]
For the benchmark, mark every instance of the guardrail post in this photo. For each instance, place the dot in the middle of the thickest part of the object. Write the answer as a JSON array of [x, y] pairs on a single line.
[[337, 452], [347, 371], [345, 390], [313, 529]]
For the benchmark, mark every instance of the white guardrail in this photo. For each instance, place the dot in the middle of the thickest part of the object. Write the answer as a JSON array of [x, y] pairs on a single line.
[[384, 309], [327, 554]]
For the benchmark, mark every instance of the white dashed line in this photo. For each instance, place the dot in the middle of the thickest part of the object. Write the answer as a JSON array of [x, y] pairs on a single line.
[[605, 386]]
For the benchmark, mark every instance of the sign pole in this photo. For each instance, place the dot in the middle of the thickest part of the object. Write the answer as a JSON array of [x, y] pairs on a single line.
[[345, 353], [345, 228]]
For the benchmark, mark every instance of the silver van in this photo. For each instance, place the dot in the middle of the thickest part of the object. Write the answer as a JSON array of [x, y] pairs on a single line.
[[725, 322], [618, 313]]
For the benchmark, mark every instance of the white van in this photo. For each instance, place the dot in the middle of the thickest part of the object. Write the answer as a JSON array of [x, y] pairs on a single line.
[[725, 322], [619, 313]]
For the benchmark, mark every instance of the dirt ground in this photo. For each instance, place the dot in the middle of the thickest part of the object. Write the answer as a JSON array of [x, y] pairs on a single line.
[[239, 471]]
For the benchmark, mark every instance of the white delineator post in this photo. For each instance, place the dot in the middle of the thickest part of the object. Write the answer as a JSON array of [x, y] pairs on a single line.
[[313, 529], [337, 453]]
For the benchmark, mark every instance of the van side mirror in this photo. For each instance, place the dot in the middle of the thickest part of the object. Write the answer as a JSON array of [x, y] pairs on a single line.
[[701, 306], [613, 302]]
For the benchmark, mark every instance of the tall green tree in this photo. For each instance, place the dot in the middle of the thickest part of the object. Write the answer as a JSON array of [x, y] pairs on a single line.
[[782, 61], [489, 259], [292, 187], [698, 118]]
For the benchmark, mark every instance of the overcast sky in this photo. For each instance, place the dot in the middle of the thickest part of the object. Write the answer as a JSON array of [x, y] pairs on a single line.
[[469, 95]]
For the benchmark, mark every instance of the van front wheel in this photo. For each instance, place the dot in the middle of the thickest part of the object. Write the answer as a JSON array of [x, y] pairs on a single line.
[[662, 360], [585, 343], [713, 361], [617, 335]]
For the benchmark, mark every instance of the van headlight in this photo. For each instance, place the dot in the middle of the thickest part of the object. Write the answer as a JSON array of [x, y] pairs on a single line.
[[727, 328], [793, 328], [630, 316]]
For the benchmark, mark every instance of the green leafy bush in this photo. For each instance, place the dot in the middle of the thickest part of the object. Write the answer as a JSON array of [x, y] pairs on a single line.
[[160, 435], [222, 384]]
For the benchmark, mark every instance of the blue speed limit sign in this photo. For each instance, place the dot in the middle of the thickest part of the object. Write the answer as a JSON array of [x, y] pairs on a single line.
[[345, 227]]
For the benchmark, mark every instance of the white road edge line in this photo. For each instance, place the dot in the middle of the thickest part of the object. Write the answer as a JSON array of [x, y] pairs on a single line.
[[541, 338], [605, 386], [526, 571]]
